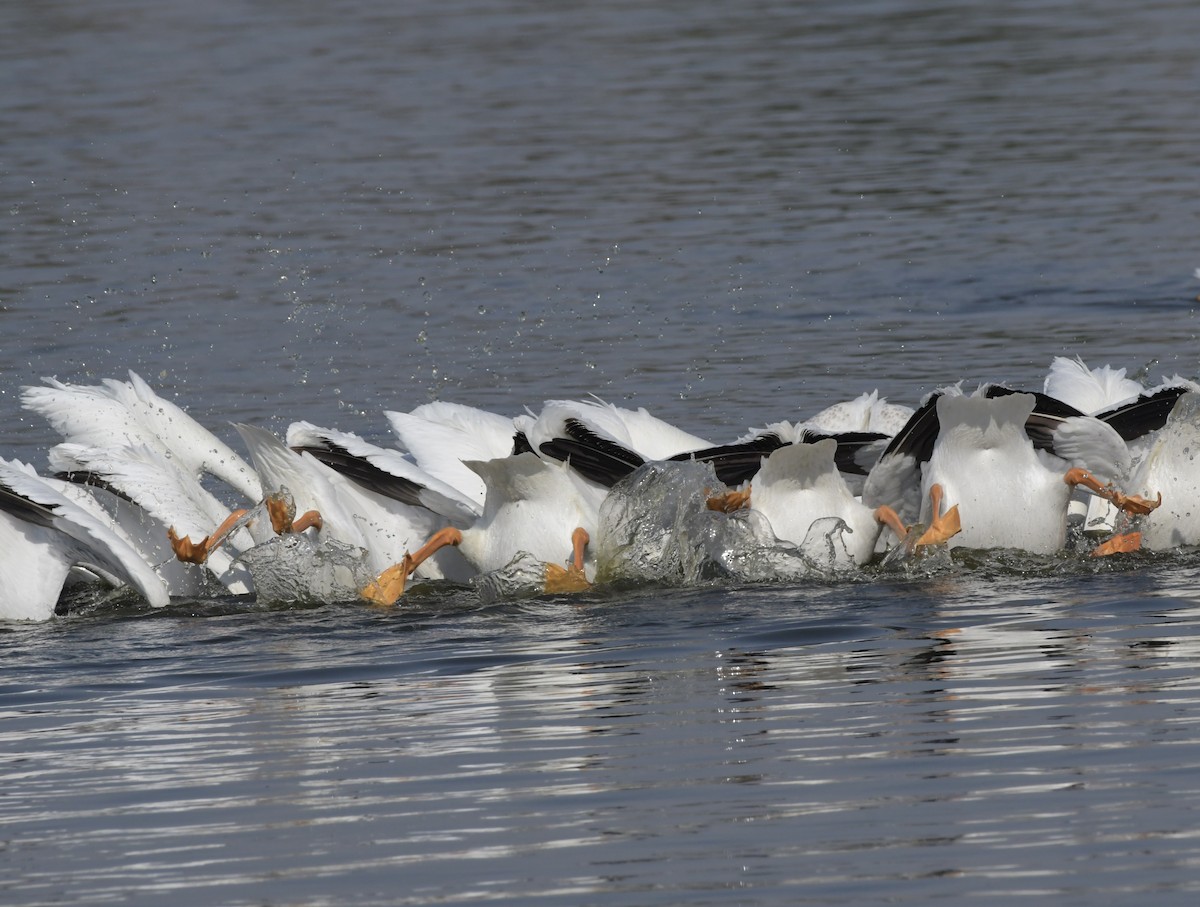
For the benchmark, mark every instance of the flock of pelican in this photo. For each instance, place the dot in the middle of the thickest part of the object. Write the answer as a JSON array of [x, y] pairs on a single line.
[[137, 492]]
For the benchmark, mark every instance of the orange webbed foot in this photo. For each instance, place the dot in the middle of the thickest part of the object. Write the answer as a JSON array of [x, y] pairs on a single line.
[[1119, 544], [186, 550], [282, 510], [390, 584], [561, 579], [730, 501], [942, 526]]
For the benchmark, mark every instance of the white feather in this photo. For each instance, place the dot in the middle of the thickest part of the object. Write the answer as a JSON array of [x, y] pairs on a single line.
[[800, 484], [1007, 494], [170, 498], [533, 505], [36, 555], [442, 436], [118, 413], [1088, 390]]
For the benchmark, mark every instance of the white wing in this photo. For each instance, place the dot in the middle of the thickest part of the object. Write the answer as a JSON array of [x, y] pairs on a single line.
[[442, 436], [172, 497], [387, 472], [118, 413], [75, 535]]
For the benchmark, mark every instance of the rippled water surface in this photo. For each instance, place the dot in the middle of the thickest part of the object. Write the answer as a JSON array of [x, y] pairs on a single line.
[[727, 213]]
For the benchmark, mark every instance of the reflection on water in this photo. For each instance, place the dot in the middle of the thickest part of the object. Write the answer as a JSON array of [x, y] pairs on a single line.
[[1002, 732]]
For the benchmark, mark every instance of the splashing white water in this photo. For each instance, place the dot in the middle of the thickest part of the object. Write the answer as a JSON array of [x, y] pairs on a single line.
[[655, 527], [294, 568]]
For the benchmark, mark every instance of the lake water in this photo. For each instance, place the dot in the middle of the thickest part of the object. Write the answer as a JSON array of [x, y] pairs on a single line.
[[727, 213]]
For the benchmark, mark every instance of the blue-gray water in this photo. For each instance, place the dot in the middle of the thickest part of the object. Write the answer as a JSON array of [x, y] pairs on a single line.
[[727, 213]]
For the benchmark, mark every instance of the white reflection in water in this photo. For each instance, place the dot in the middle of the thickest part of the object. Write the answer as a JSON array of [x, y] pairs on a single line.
[[999, 737]]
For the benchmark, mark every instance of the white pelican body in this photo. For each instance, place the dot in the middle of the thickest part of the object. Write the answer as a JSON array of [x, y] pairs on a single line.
[[43, 535], [799, 484], [533, 505], [1101, 392], [1170, 467], [1009, 495]]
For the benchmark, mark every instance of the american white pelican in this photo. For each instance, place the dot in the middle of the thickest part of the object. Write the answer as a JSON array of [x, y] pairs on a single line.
[[799, 484], [118, 413], [540, 507], [43, 535], [1134, 412], [1011, 492], [1169, 468], [1009, 495]]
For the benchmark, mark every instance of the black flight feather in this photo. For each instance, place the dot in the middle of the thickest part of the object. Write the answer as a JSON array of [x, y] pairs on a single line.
[[735, 463], [1145, 414], [595, 458], [24, 509], [917, 437], [366, 474], [95, 480]]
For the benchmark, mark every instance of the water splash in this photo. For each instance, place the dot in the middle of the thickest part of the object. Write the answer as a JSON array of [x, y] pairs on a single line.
[[294, 568], [655, 527], [522, 577]]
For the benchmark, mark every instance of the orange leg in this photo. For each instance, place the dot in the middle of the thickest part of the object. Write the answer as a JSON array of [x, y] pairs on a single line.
[[560, 579], [437, 541], [391, 583], [305, 520], [942, 526], [886, 515], [1118, 544], [217, 539], [197, 552], [579, 542], [730, 501], [1134, 505]]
